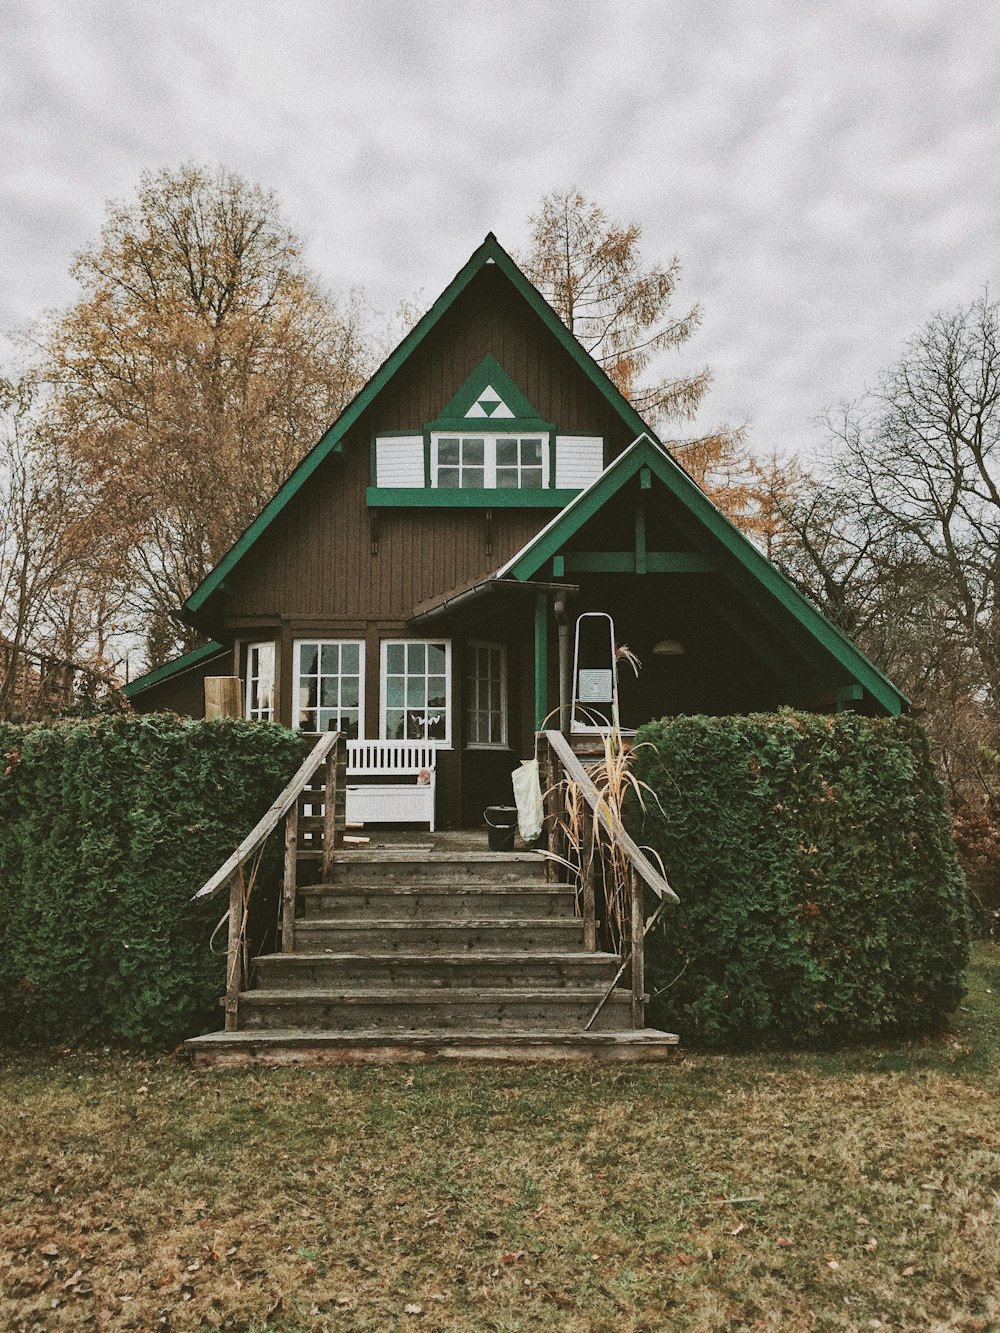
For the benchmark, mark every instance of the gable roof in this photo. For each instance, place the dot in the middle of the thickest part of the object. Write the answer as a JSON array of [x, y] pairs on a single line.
[[331, 442], [174, 668], [724, 539]]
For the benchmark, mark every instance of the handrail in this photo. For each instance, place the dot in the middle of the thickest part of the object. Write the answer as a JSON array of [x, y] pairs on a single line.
[[641, 863], [269, 821]]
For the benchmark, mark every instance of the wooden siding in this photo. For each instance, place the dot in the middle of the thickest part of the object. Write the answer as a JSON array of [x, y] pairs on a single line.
[[317, 565]]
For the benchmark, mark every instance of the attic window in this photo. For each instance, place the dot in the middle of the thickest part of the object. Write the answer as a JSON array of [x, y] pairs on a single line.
[[490, 462]]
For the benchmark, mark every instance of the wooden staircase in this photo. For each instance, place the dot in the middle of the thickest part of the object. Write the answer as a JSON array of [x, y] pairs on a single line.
[[406, 955]]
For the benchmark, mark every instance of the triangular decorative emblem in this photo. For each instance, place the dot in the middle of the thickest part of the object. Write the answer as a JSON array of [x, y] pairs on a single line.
[[489, 394]]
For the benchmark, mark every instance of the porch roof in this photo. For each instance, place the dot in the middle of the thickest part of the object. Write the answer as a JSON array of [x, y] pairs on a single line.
[[719, 548]]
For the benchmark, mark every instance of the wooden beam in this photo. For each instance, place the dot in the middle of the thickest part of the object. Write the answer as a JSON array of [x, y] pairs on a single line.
[[624, 562], [640, 539], [541, 660]]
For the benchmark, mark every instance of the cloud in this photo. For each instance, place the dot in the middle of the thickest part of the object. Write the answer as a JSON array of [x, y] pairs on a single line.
[[824, 172]]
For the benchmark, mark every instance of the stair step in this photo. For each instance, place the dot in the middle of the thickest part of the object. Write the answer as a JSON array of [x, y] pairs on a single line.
[[404, 1009], [505, 970], [388, 902], [493, 934], [309, 1047], [394, 867]]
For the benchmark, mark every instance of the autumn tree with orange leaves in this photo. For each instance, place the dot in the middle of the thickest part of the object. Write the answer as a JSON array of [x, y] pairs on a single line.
[[199, 365], [590, 270]]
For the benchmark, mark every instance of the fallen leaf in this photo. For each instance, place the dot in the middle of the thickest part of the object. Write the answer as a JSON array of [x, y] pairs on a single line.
[[870, 1244], [413, 1307], [783, 1241], [736, 1230], [832, 1263], [683, 1258]]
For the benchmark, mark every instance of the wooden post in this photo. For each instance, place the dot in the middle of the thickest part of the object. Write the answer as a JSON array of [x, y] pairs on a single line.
[[288, 887], [223, 696], [587, 866], [234, 954], [330, 810], [638, 961]]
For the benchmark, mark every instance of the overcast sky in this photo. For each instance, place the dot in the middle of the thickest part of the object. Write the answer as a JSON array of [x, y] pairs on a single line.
[[827, 172]]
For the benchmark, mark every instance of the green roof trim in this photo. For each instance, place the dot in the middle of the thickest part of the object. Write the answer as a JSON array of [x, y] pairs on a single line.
[[490, 252], [450, 497], [174, 668], [747, 559]]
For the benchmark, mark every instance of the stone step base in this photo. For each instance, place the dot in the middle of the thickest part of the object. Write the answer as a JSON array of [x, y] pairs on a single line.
[[294, 1046]]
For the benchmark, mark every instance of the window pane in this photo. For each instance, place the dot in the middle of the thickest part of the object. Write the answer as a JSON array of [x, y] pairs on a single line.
[[447, 453], [448, 476], [506, 478], [435, 692], [416, 692], [329, 659], [531, 452], [328, 692], [506, 453], [349, 724], [415, 657], [309, 699], [349, 658], [350, 694], [394, 657], [473, 478], [435, 658], [394, 692], [394, 724], [473, 452], [309, 658], [531, 478], [436, 727]]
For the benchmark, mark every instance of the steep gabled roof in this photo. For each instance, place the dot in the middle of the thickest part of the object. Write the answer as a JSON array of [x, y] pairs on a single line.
[[490, 252], [194, 658], [722, 540]]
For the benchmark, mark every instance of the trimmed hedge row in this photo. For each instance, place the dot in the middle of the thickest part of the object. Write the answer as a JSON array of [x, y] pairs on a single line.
[[107, 827], [821, 899]]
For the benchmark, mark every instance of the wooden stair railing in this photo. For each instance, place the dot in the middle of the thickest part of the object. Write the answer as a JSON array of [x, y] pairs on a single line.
[[642, 873], [331, 750]]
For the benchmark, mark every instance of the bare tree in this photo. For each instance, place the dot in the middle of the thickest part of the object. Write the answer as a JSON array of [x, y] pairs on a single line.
[[59, 596]]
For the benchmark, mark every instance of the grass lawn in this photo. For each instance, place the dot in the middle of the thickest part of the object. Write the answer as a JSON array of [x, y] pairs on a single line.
[[853, 1190]]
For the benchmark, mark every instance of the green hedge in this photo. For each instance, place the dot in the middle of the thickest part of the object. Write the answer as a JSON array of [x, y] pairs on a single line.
[[107, 827], [821, 899]]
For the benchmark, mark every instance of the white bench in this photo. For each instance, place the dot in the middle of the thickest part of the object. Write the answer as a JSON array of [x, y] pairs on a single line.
[[400, 801]]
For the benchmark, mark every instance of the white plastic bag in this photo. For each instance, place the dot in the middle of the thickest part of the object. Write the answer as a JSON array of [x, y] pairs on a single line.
[[528, 799]]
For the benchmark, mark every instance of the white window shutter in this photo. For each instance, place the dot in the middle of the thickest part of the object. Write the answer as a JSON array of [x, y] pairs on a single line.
[[579, 461], [399, 461]]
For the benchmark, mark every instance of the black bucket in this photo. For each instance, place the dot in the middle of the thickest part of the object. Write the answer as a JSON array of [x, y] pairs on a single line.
[[501, 823]]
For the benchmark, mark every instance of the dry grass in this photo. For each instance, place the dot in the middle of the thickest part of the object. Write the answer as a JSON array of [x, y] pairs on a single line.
[[853, 1190]]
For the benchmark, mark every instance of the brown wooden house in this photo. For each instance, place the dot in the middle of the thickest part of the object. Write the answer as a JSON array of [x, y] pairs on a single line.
[[421, 574]]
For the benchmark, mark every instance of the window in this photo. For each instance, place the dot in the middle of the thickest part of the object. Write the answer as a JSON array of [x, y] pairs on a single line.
[[260, 682], [416, 690], [486, 695], [330, 674], [489, 462]]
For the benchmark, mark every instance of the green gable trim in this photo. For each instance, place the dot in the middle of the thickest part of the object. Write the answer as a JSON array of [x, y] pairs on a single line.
[[489, 373], [446, 497], [633, 562], [750, 569], [174, 668], [490, 252]]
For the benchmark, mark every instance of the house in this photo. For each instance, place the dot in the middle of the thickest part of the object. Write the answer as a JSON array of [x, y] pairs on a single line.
[[438, 580], [420, 575]]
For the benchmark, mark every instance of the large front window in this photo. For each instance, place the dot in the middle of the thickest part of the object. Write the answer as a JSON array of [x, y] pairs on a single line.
[[416, 690], [330, 675], [489, 462]]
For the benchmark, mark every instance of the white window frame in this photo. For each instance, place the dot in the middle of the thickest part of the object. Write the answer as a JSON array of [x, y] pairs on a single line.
[[298, 706], [490, 439], [502, 743], [254, 677], [383, 721]]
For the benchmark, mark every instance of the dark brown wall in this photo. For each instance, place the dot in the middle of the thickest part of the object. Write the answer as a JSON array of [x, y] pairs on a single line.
[[316, 564]]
